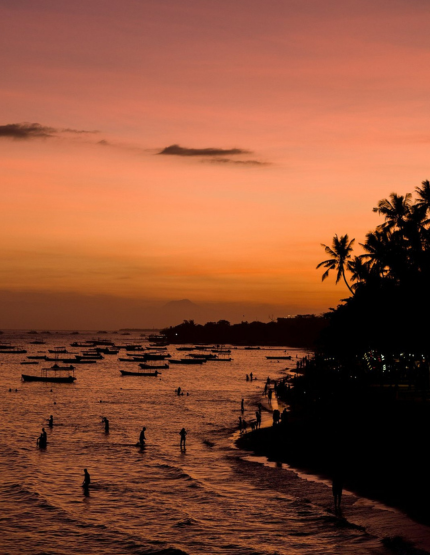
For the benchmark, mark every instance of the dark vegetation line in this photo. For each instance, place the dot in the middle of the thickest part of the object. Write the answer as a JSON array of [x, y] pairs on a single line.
[[301, 331], [361, 407]]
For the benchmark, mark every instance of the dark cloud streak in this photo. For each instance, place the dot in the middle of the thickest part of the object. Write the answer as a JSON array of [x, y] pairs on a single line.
[[238, 162], [26, 131], [176, 150]]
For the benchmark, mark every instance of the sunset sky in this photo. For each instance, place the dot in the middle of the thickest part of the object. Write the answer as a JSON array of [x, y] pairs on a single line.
[[200, 149]]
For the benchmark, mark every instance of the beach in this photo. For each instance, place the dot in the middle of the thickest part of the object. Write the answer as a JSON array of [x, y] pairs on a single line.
[[377, 444], [211, 498]]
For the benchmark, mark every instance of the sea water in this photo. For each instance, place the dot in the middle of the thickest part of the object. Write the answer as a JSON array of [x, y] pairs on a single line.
[[211, 498]]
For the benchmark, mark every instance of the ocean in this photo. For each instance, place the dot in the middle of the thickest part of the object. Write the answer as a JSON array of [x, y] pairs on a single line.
[[211, 498]]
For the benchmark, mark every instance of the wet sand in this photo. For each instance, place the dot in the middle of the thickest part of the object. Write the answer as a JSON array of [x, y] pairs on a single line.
[[380, 449]]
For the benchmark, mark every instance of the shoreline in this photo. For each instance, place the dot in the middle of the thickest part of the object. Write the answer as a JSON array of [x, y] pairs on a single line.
[[387, 465]]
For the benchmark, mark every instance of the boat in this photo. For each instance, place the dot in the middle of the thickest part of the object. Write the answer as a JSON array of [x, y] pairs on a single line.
[[29, 362], [280, 358], [153, 338], [205, 356], [153, 366], [57, 374], [13, 351], [126, 373], [188, 361]]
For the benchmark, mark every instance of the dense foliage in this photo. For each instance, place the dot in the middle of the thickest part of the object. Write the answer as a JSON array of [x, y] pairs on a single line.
[[301, 331], [390, 302]]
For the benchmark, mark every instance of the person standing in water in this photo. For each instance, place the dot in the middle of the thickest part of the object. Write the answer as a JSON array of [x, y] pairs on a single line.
[[87, 479], [183, 435], [51, 421], [142, 437], [106, 421], [337, 488]]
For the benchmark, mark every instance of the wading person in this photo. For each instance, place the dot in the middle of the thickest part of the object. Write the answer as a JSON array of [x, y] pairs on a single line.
[[183, 435]]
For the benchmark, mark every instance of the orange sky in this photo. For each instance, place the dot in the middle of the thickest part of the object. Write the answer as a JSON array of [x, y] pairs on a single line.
[[327, 102]]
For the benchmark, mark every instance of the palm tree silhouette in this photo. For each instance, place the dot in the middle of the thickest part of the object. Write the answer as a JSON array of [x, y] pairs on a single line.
[[396, 210], [340, 252], [423, 194]]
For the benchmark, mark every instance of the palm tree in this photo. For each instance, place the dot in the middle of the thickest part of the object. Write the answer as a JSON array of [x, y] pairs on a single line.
[[396, 210], [340, 252], [424, 195]]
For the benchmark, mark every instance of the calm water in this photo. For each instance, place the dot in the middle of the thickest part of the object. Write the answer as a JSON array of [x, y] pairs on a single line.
[[211, 499]]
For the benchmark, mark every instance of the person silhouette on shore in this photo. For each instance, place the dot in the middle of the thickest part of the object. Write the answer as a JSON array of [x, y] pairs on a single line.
[[258, 419], [284, 417], [183, 435], [240, 423], [87, 480], [142, 437], [337, 488], [51, 421]]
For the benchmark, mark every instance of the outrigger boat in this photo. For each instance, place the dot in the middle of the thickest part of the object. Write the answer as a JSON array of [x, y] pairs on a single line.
[[153, 366], [188, 361], [54, 374], [127, 373], [280, 358]]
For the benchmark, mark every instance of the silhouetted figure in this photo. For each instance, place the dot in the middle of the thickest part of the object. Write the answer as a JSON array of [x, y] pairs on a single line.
[[51, 421], [43, 439], [87, 480], [337, 488], [247, 378], [242, 406], [250, 375], [106, 422], [178, 391], [244, 425], [276, 417], [240, 423], [183, 435], [258, 418], [284, 417], [142, 437]]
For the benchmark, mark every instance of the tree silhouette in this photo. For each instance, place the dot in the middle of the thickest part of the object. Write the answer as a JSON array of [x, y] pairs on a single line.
[[340, 252]]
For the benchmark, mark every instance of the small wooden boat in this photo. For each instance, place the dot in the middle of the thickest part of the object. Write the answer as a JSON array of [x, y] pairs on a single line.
[[188, 361], [127, 373], [56, 374], [153, 366], [13, 351], [280, 358]]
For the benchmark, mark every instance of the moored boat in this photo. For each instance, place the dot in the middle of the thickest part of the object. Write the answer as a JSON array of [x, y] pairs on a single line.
[[56, 374], [127, 373], [188, 361]]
